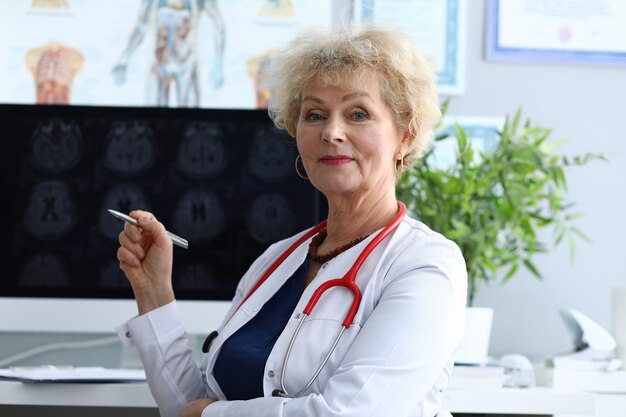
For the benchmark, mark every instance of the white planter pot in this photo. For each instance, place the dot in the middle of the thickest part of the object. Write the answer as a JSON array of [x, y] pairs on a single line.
[[475, 345]]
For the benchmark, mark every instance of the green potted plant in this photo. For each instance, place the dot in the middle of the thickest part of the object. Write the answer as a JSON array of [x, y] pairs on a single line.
[[493, 203]]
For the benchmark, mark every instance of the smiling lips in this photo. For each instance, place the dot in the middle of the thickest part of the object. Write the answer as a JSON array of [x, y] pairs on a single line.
[[335, 159]]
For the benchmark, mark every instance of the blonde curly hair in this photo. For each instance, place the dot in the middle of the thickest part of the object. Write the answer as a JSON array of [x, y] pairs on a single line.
[[407, 81]]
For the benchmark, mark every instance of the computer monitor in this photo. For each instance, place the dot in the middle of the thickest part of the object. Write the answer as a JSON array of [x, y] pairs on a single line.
[[222, 179]]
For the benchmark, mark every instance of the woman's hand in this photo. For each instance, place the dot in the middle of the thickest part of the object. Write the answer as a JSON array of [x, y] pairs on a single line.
[[195, 408], [145, 256]]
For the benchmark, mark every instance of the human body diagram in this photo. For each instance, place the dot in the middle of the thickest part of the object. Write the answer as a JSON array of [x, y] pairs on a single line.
[[175, 65], [53, 67]]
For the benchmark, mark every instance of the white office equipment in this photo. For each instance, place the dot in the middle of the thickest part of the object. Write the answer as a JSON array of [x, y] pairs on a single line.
[[518, 370], [594, 347]]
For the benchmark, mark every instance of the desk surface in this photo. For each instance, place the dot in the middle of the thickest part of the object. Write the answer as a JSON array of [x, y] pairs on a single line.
[[500, 401]]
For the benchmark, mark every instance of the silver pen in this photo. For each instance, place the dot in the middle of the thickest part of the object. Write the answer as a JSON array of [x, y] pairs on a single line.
[[177, 240]]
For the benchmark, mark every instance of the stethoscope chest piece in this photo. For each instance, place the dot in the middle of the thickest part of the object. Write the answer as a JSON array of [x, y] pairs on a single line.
[[278, 393]]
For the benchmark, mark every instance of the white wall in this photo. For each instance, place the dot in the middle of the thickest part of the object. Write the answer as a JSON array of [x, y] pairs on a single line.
[[584, 105]]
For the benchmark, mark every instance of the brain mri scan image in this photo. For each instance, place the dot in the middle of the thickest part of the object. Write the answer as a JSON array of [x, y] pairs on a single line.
[[222, 179], [199, 216], [51, 211], [44, 270], [201, 152], [56, 145], [123, 198], [271, 158], [270, 218], [130, 148]]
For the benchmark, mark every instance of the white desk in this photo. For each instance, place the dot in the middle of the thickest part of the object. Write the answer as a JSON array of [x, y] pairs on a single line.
[[537, 401]]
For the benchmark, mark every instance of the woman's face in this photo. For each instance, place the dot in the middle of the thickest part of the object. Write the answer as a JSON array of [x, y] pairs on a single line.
[[348, 139]]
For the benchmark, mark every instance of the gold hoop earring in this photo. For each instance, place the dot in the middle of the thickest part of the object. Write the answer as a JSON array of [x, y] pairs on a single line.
[[298, 171], [399, 163]]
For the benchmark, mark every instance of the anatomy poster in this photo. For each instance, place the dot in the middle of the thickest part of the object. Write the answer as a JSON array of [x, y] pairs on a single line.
[[189, 53], [175, 53]]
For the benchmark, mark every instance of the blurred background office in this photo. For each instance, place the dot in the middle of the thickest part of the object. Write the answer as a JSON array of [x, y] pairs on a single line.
[[81, 58]]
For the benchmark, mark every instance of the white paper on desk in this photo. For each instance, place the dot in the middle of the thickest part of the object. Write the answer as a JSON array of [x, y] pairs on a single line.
[[476, 377], [72, 375]]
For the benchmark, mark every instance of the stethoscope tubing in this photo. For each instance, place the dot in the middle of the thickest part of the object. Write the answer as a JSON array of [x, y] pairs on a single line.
[[347, 281], [269, 271], [283, 391]]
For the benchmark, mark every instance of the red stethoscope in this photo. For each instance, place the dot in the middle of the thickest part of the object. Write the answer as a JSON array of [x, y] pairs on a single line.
[[347, 281]]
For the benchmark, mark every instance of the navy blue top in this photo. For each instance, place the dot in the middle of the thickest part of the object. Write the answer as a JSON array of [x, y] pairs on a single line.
[[241, 362]]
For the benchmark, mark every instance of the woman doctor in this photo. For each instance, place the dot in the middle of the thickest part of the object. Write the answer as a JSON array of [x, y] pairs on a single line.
[[361, 105]]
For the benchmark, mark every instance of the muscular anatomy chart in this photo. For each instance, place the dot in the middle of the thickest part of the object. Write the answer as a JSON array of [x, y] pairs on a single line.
[[50, 4], [53, 67], [259, 68]]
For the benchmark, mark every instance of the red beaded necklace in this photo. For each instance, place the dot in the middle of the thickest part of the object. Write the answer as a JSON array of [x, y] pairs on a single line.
[[317, 241]]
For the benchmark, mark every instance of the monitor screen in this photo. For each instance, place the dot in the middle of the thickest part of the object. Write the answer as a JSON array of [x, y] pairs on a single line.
[[222, 179]]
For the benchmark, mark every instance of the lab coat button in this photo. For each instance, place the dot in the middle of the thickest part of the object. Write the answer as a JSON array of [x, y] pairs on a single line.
[[270, 374], [127, 334], [297, 316]]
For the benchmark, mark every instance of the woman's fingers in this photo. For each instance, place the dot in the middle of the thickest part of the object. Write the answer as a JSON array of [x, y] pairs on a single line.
[[141, 214], [149, 229], [134, 242], [195, 408], [145, 256], [133, 233], [127, 258], [129, 242]]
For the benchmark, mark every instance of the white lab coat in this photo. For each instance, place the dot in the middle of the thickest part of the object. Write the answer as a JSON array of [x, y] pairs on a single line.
[[394, 360]]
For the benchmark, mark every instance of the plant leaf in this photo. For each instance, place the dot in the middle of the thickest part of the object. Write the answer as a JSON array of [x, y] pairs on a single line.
[[532, 268]]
